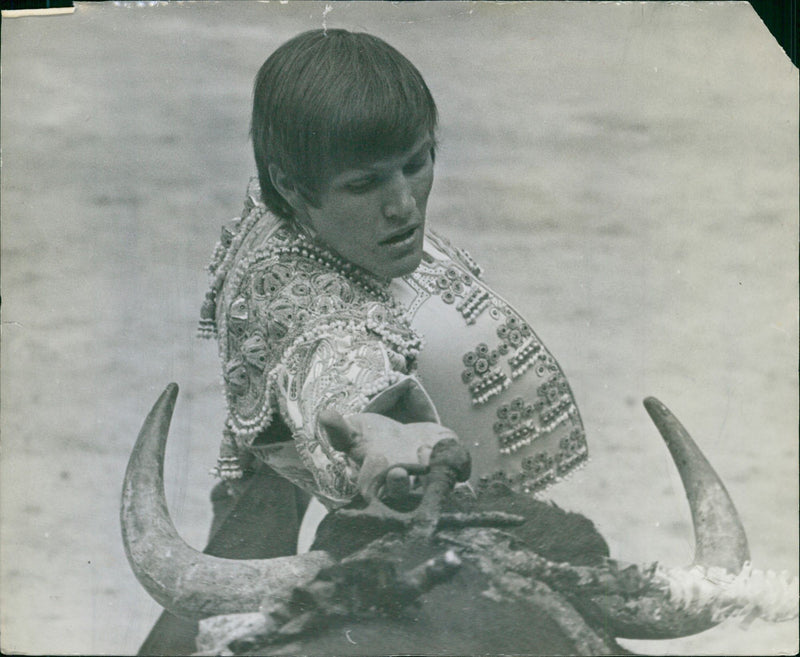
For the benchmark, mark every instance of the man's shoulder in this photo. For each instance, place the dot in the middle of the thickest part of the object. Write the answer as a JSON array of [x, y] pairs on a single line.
[[443, 245]]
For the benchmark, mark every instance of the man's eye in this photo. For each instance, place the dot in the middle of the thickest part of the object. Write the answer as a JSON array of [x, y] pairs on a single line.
[[417, 164], [360, 185]]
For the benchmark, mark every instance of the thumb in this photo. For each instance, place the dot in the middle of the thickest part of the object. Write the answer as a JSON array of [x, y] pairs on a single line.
[[342, 435]]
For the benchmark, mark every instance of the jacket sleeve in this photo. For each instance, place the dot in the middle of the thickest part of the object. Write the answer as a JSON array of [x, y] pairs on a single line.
[[299, 333], [351, 369]]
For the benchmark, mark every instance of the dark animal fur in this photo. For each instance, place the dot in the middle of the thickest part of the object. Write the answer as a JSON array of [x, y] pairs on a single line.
[[551, 532]]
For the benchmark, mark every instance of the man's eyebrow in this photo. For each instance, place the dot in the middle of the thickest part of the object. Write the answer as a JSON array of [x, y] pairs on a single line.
[[349, 175], [367, 169]]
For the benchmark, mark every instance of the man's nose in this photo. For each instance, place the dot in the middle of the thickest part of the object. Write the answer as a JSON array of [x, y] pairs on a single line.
[[399, 201]]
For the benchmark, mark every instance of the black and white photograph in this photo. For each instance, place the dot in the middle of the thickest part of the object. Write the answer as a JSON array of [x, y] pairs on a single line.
[[371, 328]]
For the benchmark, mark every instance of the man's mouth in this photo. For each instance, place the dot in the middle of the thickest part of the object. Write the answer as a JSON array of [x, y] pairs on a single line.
[[399, 238]]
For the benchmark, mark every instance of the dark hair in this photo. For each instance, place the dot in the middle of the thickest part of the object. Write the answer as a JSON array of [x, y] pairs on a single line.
[[330, 99]]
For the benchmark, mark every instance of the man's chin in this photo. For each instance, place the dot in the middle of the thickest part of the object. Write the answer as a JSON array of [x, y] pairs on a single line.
[[387, 264], [405, 266]]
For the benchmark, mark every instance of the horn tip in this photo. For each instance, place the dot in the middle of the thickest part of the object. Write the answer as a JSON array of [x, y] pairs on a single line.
[[168, 398], [657, 410], [651, 402]]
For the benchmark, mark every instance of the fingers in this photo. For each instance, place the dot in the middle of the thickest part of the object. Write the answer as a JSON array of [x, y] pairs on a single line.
[[373, 465], [374, 442], [374, 481], [424, 454], [397, 485], [342, 435]]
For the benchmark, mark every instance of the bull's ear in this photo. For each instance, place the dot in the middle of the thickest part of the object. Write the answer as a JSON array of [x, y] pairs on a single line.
[[342, 435]]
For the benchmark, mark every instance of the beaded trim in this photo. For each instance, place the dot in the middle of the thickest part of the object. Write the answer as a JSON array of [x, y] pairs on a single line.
[[542, 470], [459, 255], [481, 375], [515, 434], [231, 238], [230, 463], [474, 304]]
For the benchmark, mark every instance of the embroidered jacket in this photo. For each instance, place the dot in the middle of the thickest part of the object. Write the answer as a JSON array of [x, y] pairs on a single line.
[[301, 330]]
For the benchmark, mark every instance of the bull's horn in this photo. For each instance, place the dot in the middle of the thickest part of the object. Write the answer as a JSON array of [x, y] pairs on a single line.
[[720, 542], [184, 581]]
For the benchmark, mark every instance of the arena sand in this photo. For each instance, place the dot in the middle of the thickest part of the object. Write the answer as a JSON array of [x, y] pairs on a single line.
[[627, 174]]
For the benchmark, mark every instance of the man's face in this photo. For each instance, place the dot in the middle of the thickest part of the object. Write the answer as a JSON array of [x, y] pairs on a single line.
[[374, 215]]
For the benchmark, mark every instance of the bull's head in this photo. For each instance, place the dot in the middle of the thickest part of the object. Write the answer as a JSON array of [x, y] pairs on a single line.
[[195, 585]]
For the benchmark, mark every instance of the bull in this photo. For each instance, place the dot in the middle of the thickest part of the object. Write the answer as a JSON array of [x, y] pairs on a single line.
[[498, 574]]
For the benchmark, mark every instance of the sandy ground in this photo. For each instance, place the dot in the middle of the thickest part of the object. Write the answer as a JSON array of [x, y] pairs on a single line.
[[627, 174]]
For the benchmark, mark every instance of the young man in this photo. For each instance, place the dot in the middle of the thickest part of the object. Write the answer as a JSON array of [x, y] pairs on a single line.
[[351, 336]]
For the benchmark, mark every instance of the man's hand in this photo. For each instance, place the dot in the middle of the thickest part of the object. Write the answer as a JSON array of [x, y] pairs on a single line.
[[375, 442]]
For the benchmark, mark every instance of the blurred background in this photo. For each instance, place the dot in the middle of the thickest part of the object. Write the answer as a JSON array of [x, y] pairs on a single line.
[[626, 174]]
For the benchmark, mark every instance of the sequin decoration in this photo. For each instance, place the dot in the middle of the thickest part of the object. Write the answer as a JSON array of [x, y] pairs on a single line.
[[556, 395], [254, 351], [571, 451], [517, 335], [525, 356], [237, 316], [538, 471], [232, 235], [451, 284], [516, 424], [236, 377], [474, 304], [447, 281], [519, 422], [455, 253], [482, 376], [542, 469]]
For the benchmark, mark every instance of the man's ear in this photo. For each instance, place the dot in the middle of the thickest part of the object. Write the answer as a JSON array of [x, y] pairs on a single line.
[[287, 188]]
